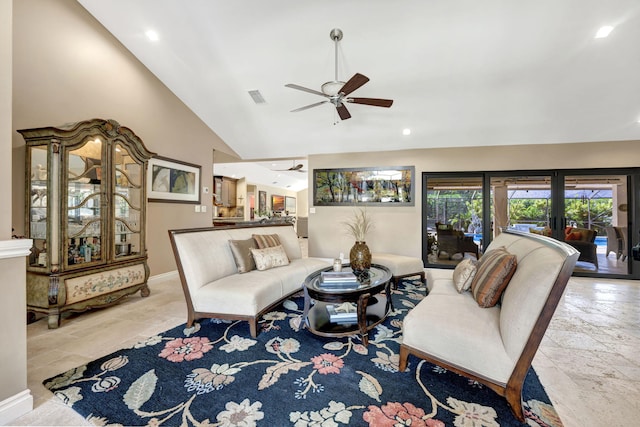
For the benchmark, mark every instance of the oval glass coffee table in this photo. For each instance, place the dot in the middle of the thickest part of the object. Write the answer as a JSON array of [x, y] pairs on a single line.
[[366, 295]]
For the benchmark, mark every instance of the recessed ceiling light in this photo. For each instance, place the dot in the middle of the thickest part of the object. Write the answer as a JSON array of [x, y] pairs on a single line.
[[152, 35], [604, 31], [406, 131]]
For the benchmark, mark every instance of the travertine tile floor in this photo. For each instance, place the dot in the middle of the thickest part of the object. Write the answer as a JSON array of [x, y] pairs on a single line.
[[588, 361]]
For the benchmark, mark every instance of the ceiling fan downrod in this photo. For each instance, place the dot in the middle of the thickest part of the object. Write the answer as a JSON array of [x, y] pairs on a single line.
[[336, 36]]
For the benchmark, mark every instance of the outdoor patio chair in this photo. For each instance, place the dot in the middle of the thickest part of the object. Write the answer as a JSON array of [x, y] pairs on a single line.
[[614, 241]]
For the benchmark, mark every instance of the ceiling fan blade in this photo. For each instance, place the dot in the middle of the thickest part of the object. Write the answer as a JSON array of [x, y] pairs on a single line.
[[354, 83], [306, 107], [343, 112], [376, 102], [305, 89]]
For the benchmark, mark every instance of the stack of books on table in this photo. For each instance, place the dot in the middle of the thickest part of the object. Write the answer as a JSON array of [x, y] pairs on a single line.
[[338, 279], [343, 313]]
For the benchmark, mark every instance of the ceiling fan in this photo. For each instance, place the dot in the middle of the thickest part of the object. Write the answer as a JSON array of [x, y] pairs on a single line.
[[337, 91], [294, 168]]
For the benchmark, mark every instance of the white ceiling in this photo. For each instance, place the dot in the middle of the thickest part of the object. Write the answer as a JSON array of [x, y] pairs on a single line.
[[461, 73], [273, 173]]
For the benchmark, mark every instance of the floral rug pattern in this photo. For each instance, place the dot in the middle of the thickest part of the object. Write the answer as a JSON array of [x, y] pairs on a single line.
[[215, 374]]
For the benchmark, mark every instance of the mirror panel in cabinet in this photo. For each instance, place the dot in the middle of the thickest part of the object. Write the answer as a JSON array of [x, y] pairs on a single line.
[[128, 196], [84, 203]]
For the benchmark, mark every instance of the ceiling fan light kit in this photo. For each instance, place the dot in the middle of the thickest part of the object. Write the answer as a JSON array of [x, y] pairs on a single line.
[[337, 91]]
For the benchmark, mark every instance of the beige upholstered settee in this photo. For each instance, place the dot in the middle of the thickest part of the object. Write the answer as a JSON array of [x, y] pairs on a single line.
[[495, 345], [213, 285]]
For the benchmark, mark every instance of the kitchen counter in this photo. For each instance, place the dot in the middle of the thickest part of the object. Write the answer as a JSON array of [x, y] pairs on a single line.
[[225, 220], [238, 220]]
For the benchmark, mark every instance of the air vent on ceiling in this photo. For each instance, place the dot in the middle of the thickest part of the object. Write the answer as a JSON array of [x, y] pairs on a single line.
[[257, 97]]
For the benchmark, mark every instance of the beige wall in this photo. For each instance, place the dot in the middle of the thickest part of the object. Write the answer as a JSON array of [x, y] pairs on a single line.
[[302, 203], [68, 68], [398, 229], [5, 117], [15, 398]]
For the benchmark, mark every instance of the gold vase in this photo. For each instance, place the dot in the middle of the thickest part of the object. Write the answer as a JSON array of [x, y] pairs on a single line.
[[360, 257]]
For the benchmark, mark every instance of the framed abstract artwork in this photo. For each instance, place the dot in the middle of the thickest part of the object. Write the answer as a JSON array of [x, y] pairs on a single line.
[[173, 181]]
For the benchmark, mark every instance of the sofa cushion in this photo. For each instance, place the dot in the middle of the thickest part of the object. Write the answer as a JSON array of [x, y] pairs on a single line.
[[271, 257], [495, 269], [463, 274], [266, 240], [459, 332], [241, 250]]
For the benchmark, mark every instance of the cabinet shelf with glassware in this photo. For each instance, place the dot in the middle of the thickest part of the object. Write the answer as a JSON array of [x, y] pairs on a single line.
[[86, 204]]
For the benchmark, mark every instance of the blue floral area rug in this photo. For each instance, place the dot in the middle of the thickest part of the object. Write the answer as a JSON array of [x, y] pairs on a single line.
[[215, 374]]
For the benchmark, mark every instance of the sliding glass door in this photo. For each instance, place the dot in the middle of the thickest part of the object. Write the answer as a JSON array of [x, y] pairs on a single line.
[[591, 210], [453, 218], [595, 220], [522, 202]]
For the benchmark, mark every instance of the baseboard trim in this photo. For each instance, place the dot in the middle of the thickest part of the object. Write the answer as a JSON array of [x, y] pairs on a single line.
[[15, 407], [163, 276]]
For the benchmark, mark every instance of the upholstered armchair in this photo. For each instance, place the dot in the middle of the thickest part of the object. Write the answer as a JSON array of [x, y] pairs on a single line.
[[454, 241], [583, 240]]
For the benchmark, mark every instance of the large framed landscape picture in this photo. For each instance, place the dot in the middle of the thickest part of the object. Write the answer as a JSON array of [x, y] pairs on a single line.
[[173, 181], [386, 185]]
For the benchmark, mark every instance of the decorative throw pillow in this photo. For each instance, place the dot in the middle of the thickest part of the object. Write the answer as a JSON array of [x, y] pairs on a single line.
[[266, 240], [241, 250], [463, 274], [574, 235], [270, 257], [495, 269]]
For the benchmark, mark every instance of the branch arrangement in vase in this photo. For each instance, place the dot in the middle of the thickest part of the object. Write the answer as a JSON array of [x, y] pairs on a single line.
[[359, 225]]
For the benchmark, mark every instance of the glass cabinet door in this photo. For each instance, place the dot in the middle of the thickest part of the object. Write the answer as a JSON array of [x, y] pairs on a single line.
[[84, 234], [128, 198], [37, 206]]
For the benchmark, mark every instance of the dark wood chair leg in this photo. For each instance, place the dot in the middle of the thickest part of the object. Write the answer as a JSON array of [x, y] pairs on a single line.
[[404, 356], [514, 399], [253, 328]]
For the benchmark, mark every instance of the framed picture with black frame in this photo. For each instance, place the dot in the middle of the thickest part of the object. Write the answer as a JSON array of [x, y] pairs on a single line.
[[277, 203], [375, 186], [262, 202]]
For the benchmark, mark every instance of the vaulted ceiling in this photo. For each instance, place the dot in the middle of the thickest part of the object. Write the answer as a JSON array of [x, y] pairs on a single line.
[[461, 73]]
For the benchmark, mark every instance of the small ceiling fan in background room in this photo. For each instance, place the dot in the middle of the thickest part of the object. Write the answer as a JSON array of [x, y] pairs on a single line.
[[294, 168], [337, 91]]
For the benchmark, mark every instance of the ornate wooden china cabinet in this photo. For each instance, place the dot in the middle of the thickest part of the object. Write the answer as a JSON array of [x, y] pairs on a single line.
[[85, 211]]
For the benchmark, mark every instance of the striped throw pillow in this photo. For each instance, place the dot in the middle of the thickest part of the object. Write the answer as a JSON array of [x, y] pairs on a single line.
[[266, 240], [494, 271]]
